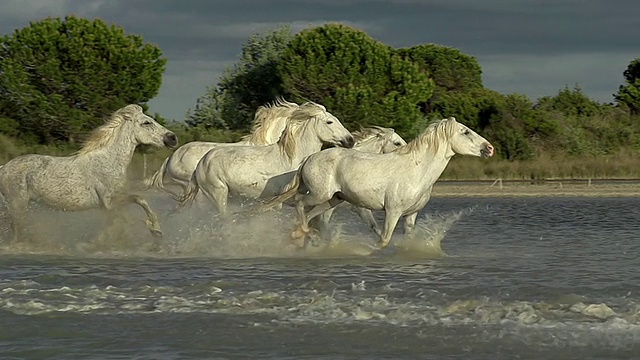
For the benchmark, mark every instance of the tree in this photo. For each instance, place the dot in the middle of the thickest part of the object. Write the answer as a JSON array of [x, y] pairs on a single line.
[[451, 70], [570, 102], [208, 110], [629, 95], [510, 126], [60, 77], [254, 81], [360, 80], [458, 82]]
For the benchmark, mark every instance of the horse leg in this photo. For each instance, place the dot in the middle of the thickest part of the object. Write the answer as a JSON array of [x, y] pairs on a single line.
[[300, 232], [410, 223], [153, 224], [390, 222], [17, 208], [316, 211], [112, 202], [152, 219], [322, 224], [367, 216], [218, 195]]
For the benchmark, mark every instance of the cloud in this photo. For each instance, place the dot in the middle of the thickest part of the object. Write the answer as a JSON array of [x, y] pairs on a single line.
[[184, 81], [538, 76], [242, 31], [534, 47]]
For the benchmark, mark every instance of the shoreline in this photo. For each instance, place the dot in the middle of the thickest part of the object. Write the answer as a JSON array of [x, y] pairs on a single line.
[[559, 188]]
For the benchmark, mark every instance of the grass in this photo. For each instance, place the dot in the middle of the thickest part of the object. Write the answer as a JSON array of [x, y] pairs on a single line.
[[621, 164]]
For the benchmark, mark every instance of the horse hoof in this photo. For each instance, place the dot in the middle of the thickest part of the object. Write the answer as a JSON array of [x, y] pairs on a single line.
[[299, 233], [298, 243]]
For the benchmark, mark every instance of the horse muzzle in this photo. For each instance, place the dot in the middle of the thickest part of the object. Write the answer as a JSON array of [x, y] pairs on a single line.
[[348, 142], [170, 140], [487, 151]]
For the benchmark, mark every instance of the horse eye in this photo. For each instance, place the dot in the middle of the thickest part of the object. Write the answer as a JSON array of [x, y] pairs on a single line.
[[147, 123], [329, 122], [467, 132], [397, 143]]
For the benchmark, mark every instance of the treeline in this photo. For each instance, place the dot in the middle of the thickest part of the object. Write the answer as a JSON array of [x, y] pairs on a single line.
[[363, 82], [60, 77]]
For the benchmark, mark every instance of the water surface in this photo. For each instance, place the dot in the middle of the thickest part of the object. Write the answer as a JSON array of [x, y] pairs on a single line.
[[482, 278]]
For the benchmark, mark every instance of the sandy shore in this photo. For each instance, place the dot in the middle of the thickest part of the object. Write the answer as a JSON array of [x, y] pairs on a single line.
[[548, 188]]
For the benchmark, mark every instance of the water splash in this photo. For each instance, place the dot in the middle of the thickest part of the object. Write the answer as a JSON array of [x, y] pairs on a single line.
[[426, 239], [200, 233]]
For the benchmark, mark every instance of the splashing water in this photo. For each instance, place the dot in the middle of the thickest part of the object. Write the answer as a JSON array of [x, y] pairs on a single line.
[[425, 240], [200, 233]]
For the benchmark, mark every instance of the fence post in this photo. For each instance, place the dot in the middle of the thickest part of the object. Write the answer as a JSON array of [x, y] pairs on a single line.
[[499, 181]]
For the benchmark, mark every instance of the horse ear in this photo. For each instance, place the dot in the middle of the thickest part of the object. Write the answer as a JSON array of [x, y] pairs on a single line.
[[129, 111]]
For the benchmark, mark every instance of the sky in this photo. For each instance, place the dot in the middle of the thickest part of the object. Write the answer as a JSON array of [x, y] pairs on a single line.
[[530, 47]]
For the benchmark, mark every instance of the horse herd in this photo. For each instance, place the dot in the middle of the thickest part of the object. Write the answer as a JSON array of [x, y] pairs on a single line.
[[284, 157]]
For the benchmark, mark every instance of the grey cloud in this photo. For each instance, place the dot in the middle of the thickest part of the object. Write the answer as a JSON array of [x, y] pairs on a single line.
[[534, 47]]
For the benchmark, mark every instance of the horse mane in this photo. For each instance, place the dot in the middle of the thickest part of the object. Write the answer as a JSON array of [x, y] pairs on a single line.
[[102, 135], [370, 132], [298, 119], [265, 116], [431, 138]]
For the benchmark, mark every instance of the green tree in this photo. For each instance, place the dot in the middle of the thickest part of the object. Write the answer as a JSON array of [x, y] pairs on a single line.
[[208, 110], [629, 95], [510, 124], [60, 77], [360, 80], [453, 72], [570, 102], [252, 82]]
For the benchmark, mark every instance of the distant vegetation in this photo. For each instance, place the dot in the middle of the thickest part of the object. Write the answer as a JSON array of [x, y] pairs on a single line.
[[60, 77]]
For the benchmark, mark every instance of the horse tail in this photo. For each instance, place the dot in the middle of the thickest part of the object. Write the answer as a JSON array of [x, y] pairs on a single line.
[[290, 191], [157, 179], [190, 192]]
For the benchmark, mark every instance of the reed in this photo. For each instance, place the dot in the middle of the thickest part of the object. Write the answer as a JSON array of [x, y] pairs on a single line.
[[621, 164]]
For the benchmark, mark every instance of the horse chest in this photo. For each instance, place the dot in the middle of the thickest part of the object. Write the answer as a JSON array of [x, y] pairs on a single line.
[[412, 199]]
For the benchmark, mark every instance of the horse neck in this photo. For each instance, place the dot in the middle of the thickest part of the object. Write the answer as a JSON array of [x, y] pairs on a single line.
[[116, 155], [430, 165], [306, 143]]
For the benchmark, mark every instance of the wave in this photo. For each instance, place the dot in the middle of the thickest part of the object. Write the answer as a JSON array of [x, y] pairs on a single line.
[[317, 304]]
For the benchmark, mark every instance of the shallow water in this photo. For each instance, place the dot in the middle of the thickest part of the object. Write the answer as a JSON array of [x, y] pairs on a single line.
[[482, 278]]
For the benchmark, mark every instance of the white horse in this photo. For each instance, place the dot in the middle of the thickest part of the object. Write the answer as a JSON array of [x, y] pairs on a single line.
[[376, 140], [268, 124], [247, 170], [399, 182], [95, 177]]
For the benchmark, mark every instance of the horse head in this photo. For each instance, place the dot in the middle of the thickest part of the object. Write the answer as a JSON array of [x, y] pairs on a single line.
[[146, 130], [392, 140], [328, 128], [465, 141]]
